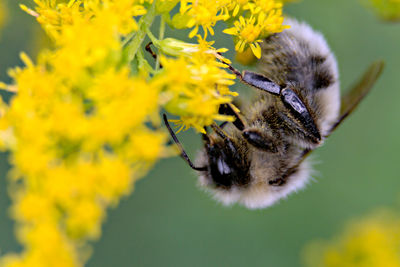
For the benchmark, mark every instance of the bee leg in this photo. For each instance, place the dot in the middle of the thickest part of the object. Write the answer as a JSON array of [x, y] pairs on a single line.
[[259, 140], [228, 141], [222, 125], [227, 109], [219, 131], [253, 136], [206, 139], [228, 166], [229, 144], [183, 152]]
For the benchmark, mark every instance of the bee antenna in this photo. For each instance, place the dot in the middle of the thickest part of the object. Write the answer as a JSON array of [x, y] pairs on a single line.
[[183, 152], [235, 71], [257, 80], [231, 68]]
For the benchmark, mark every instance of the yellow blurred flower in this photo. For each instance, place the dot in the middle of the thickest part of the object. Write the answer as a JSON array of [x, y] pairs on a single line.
[[372, 241], [3, 14], [246, 57], [386, 9]]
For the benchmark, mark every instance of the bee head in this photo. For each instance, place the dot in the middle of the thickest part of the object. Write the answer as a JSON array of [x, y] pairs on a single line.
[[227, 167]]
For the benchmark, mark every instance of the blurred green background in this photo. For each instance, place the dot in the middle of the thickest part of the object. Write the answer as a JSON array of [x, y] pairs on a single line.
[[169, 221]]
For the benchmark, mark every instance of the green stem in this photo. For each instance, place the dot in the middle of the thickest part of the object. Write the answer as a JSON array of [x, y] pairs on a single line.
[[142, 62], [128, 39], [152, 37], [144, 24], [160, 37], [162, 28], [140, 58]]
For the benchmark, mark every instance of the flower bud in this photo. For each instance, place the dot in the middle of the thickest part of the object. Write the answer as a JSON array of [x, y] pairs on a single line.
[[174, 47]]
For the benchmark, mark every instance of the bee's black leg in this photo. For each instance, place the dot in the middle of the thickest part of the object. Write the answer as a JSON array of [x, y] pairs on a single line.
[[219, 131], [183, 152], [227, 109], [222, 125], [259, 140], [253, 136], [228, 166], [206, 139]]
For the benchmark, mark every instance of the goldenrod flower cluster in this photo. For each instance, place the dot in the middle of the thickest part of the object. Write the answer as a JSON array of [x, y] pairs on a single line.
[[252, 19], [84, 121], [76, 130], [264, 17], [386, 9], [197, 103], [372, 241]]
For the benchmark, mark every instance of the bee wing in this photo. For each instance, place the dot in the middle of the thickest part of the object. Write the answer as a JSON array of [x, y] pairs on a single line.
[[354, 96]]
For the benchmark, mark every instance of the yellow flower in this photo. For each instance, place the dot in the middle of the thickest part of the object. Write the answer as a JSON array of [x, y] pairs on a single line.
[[236, 5], [54, 15], [73, 129], [273, 22], [83, 124], [204, 13], [265, 19], [194, 85], [246, 57], [247, 31], [264, 6]]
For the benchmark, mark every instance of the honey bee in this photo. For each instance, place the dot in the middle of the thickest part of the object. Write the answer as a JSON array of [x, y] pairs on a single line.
[[261, 157]]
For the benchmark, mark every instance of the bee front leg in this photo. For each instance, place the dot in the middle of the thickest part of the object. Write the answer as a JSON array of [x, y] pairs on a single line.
[[228, 164], [253, 136], [227, 109]]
